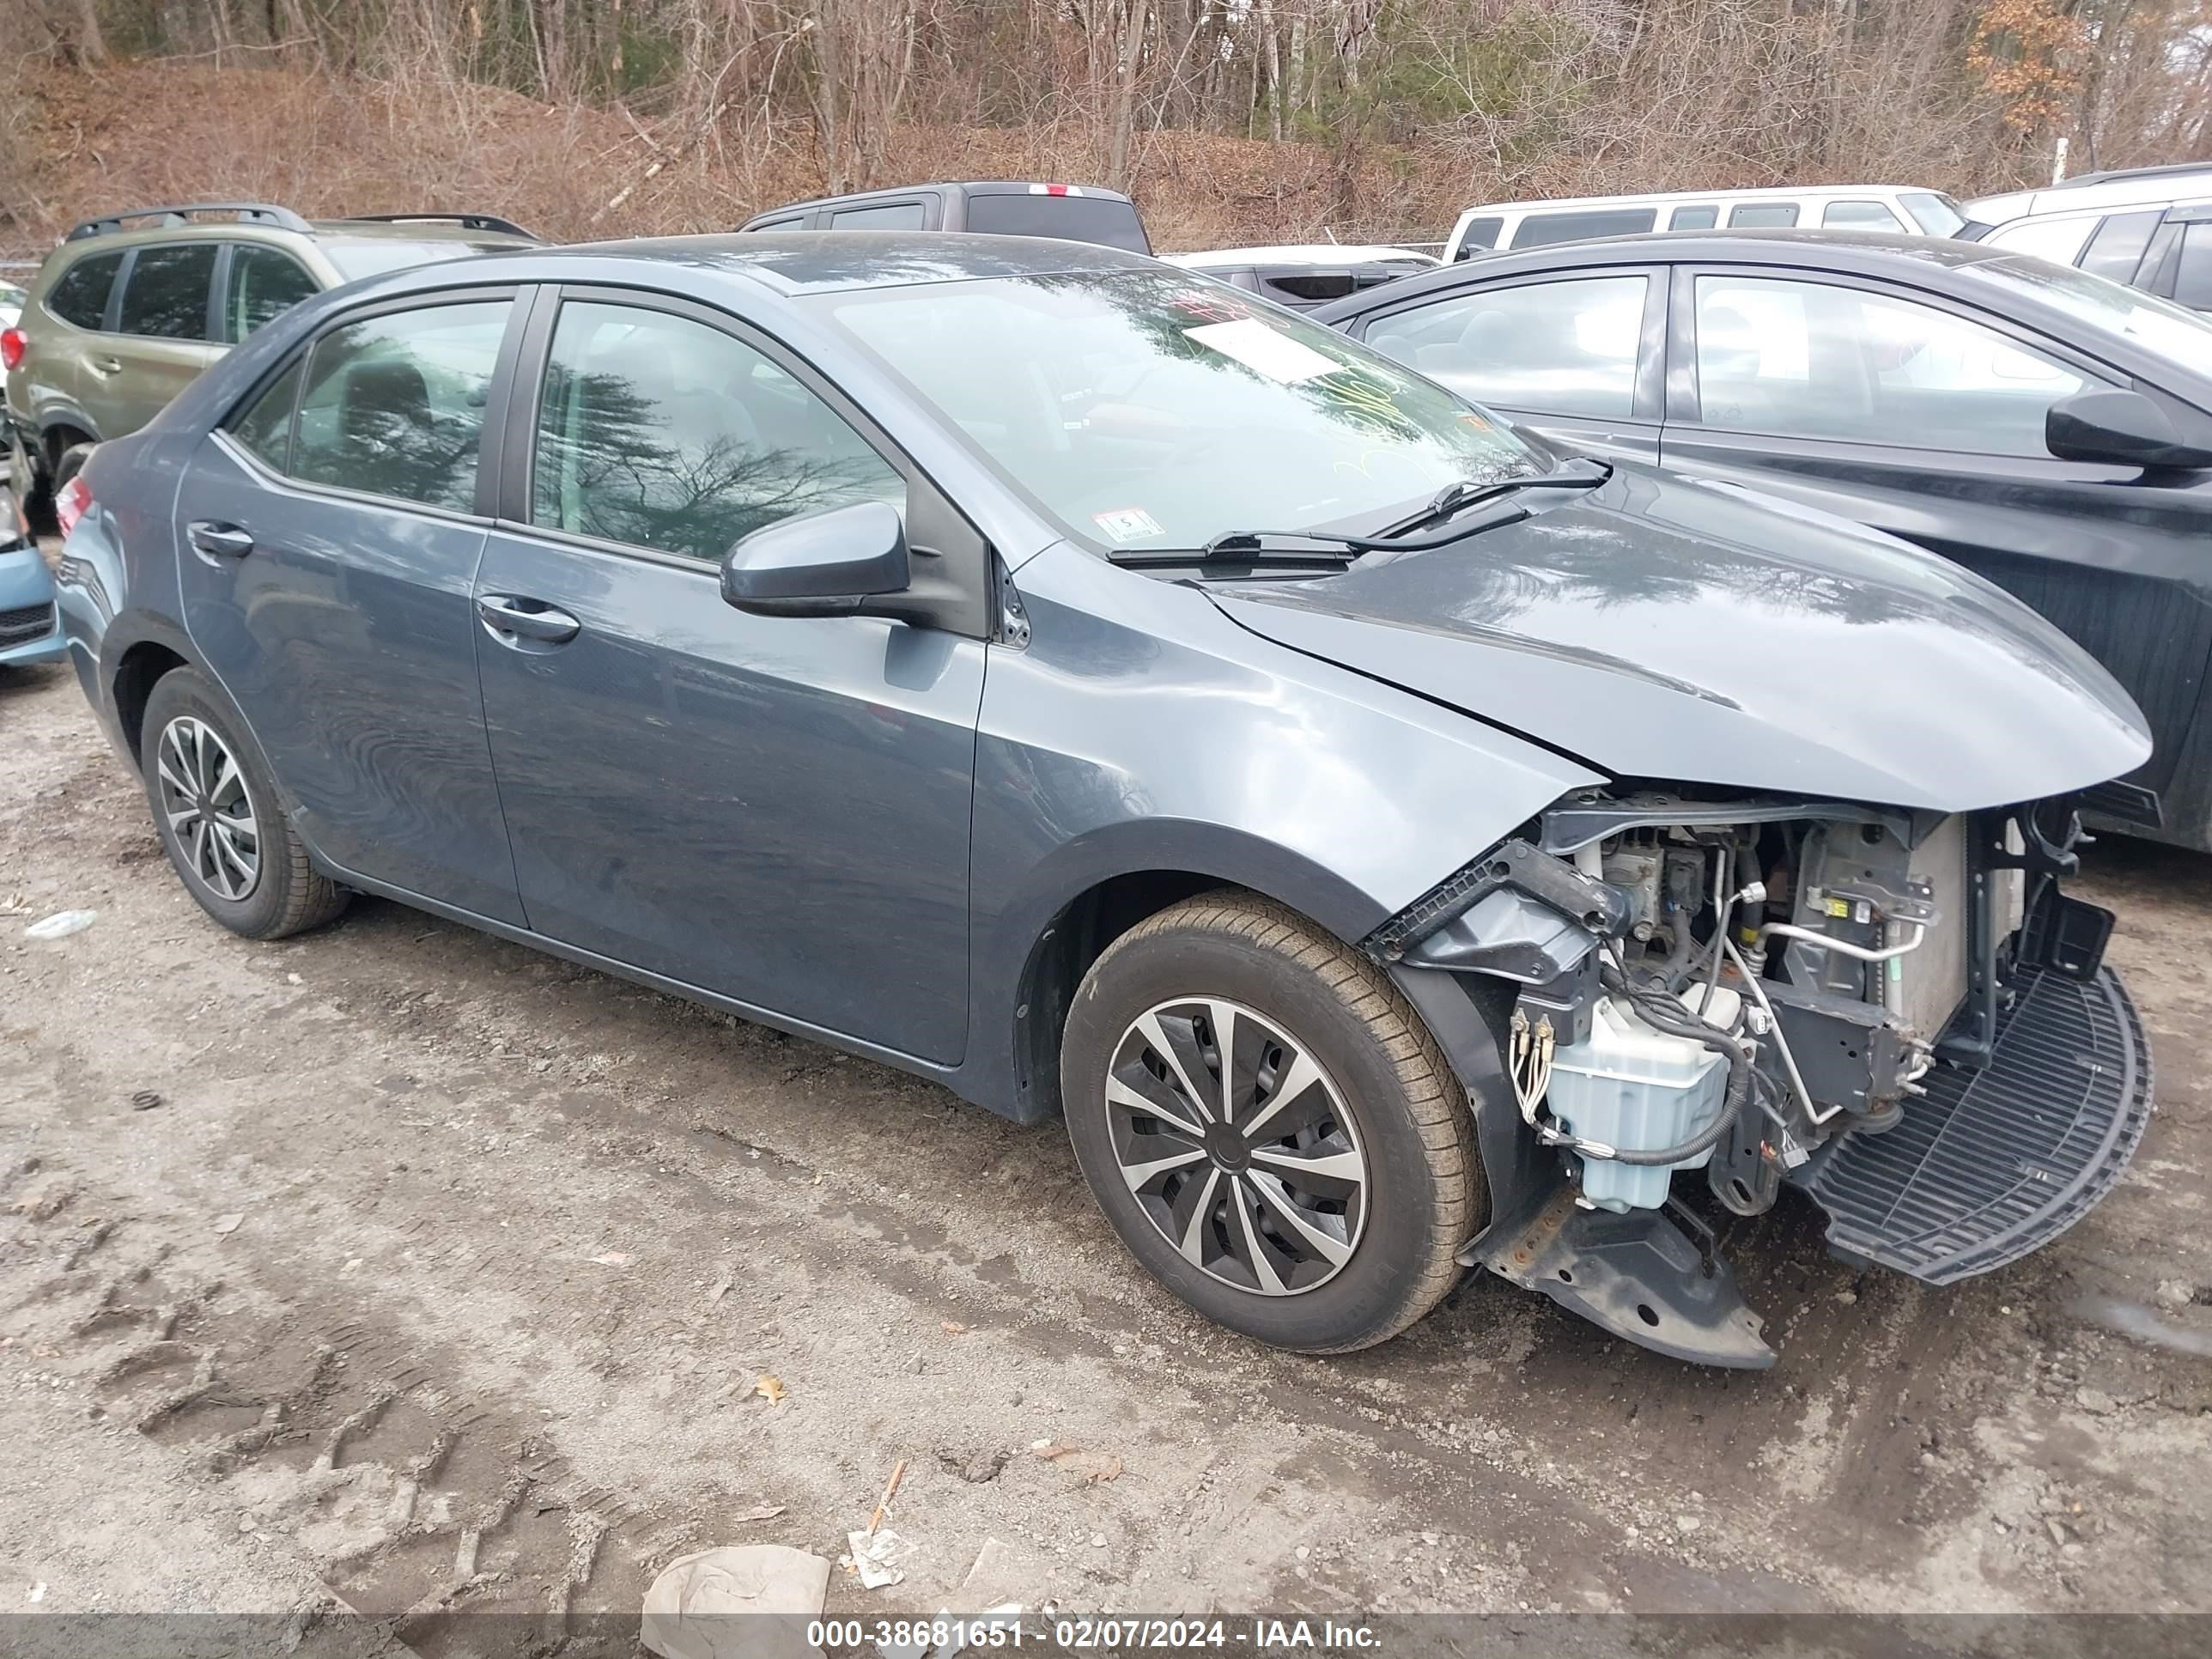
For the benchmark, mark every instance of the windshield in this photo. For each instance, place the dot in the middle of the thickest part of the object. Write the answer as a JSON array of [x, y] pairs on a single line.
[[1937, 216], [2157, 324], [374, 256], [1155, 409]]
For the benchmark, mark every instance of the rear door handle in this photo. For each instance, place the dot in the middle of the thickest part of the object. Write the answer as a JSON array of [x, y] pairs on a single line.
[[105, 366], [512, 615], [219, 541]]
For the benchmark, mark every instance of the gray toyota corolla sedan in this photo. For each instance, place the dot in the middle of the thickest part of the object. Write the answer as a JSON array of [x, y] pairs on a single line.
[[1392, 843]]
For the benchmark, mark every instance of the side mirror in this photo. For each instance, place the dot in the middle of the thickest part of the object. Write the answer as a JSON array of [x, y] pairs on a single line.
[[2119, 428], [829, 563]]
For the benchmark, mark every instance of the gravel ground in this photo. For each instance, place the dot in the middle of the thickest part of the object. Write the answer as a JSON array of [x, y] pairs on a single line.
[[443, 1275]]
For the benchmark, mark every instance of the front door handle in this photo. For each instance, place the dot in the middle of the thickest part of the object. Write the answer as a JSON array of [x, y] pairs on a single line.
[[104, 367], [531, 619], [219, 541]]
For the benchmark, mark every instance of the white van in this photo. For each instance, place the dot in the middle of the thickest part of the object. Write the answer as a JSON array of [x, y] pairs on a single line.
[[1904, 208]]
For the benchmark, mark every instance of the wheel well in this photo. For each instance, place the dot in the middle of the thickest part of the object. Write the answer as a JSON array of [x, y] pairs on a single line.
[[141, 665], [60, 437], [1077, 936]]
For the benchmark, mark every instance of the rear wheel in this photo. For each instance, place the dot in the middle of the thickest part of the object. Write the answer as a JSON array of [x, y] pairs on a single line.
[[217, 811], [68, 464], [1268, 1126]]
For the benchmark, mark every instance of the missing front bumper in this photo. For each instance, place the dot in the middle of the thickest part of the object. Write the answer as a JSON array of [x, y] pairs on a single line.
[[1995, 1162]]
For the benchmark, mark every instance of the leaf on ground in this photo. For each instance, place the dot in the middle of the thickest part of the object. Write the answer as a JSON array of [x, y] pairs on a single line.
[[765, 1512], [770, 1388], [613, 1259]]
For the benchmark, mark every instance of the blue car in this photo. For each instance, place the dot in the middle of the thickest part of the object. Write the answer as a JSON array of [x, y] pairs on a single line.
[[30, 624], [1392, 843]]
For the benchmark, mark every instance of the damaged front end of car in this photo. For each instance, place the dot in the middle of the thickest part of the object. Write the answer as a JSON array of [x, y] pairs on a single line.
[[1897, 1012]]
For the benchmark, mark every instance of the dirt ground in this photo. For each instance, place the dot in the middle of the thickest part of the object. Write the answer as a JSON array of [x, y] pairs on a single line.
[[399, 1263]]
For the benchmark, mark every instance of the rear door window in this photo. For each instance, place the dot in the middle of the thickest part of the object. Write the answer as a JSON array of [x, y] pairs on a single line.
[[80, 297], [1095, 219], [1859, 215], [1543, 229], [166, 295], [2192, 276], [881, 215], [394, 405], [1753, 216], [1697, 216], [262, 284], [1566, 348], [2118, 247], [2059, 240], [266, 425]]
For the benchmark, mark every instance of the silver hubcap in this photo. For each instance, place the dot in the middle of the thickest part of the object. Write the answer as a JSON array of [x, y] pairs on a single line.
[[207, 808], [1237, 1146]]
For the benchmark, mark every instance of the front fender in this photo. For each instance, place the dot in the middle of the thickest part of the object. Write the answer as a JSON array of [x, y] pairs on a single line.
[[1141, 731]]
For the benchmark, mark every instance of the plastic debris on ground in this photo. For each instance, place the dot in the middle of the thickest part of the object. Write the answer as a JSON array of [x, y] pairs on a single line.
[[61, 924], [748, 1601]]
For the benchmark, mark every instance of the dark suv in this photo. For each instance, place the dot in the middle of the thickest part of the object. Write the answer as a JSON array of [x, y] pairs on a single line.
[[132, 306], [1074, 213]]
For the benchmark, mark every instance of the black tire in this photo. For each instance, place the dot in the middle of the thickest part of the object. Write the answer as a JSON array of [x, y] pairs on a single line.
[[285, 895], [67, 466], [1423, 1195]]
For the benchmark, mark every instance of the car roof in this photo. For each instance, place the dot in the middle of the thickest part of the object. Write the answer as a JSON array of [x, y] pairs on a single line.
[[325, 232], [806, 262], [2127, 190], [1789, 193], [980, 186], [1873, 252], [1296, 253], [406, 230]]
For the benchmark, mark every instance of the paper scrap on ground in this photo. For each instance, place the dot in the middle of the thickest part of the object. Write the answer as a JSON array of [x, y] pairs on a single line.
[[1262, 350], [876, 1557], [61, 924], [688, 1606]]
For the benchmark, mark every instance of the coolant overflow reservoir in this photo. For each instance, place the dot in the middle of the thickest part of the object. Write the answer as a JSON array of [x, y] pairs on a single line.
[[1634, 1086]]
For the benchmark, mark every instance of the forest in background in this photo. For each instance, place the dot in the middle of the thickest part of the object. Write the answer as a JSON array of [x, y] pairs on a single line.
[[1230, 120]]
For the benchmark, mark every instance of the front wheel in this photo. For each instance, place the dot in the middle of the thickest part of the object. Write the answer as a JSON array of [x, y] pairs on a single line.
[[1269, 1127]]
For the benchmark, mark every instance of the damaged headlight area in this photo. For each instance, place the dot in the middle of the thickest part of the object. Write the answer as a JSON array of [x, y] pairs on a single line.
[[1899, 1013]]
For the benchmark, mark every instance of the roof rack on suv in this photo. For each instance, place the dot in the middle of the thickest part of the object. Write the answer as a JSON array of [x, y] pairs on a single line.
[[255, 213], [491, 222], [2165, 169]]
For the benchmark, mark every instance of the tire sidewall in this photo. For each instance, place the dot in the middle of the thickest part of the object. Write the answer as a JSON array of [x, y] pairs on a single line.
[[1397, 1241], [261, 912]]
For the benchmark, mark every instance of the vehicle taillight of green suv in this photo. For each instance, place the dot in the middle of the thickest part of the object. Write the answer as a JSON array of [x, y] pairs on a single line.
[[129, 307]]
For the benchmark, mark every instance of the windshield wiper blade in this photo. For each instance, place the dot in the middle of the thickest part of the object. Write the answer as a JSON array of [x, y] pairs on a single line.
[[1456, 497], [1250, 547]]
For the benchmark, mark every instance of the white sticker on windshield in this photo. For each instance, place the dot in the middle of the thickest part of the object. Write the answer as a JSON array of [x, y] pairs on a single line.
[[1264, 352], [1126, 524]]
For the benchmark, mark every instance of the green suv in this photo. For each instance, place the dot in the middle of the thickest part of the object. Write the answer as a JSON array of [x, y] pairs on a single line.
[[129, 307]]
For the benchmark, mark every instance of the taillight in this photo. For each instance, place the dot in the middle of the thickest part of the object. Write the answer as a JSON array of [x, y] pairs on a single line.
[[13, 344], [71, 502]]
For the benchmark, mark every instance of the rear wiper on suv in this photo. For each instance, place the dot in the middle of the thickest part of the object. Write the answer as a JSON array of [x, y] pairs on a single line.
[[1579, 473]]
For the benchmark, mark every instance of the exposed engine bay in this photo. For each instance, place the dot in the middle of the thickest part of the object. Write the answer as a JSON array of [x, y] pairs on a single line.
[[1737, 991]]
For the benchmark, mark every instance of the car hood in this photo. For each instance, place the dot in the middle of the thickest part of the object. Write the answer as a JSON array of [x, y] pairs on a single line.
[[1671, 630]]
